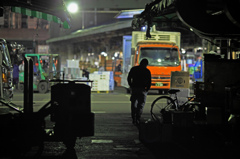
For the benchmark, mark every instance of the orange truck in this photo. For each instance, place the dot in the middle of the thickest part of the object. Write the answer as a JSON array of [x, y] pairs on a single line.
[[162, 52]]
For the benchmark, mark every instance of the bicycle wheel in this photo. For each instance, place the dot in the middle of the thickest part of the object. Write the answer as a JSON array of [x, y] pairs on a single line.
[[160, 106]]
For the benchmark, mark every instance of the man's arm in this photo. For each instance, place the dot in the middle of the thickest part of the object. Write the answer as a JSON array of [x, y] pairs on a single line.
[[129, 78]]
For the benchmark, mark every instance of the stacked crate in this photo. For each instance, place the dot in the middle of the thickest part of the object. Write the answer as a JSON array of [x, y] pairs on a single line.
[[102, 81], [72, 71]]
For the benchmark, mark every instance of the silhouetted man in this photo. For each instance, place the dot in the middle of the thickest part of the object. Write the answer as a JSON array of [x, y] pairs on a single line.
[[139, 80]]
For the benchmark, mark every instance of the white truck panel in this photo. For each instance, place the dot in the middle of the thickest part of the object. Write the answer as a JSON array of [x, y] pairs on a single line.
[[156, 36]]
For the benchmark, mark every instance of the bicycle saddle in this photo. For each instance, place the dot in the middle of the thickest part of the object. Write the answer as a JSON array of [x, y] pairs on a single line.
[[173, 91]]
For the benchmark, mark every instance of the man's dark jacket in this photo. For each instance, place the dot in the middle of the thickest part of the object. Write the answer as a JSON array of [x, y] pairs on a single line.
[[139, 77]]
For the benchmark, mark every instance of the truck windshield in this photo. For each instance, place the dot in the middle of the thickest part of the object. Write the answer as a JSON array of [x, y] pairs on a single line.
[[160, 56]]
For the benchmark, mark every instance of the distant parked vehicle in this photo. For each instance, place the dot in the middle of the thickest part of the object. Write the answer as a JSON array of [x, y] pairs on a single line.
[[46, 67]]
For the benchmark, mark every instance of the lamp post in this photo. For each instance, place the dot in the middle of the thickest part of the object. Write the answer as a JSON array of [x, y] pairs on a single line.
[[73, 8]]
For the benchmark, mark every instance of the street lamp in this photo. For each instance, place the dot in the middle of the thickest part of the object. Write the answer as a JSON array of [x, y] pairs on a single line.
[[72, 7]]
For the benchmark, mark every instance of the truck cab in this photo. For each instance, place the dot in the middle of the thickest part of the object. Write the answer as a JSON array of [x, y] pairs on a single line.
[[163, 58]]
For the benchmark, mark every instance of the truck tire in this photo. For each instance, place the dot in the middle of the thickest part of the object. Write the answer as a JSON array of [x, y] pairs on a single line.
[[42, 87]]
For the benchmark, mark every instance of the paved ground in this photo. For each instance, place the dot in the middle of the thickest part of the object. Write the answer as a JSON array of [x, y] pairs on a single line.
[[116, 138]]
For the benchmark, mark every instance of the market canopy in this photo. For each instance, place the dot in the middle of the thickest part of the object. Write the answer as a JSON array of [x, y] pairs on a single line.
[[40, 15], [51, 10]]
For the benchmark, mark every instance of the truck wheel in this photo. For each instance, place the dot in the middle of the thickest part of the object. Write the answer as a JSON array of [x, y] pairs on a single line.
[[42, 87]]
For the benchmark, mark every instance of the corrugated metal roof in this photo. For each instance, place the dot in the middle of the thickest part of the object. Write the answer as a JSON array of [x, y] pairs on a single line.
[[93, 30]]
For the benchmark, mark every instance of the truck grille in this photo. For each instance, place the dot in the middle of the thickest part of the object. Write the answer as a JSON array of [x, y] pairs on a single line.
[[164, 84], [160, 77]]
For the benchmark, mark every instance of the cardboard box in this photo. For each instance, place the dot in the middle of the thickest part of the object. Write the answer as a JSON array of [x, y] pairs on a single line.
[[179, 79]]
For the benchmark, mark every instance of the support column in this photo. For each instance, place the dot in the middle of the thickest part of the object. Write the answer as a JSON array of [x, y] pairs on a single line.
[[28, 85], [224, 49], [70, 51]]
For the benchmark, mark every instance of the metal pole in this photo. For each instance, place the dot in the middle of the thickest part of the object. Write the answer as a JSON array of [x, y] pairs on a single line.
[[28, 85], [82, 20], [51, 63], [1, 79], [95, 16], [229, 49], [203, 63], [58, 67]]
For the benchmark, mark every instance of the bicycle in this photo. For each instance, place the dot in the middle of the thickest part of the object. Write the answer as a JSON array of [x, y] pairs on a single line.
[[162, 107]]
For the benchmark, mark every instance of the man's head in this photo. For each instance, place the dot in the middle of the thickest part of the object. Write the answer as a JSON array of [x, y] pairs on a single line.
[[144, 62]]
